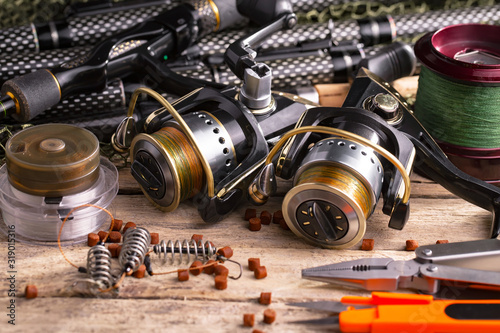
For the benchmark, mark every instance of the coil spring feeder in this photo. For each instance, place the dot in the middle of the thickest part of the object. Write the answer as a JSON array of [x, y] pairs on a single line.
[[343, 159]]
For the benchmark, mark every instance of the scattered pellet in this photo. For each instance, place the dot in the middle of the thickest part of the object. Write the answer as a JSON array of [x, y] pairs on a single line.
[[113, 248], [442, 241], [194, 268], [284, 225], [260, 272], [411, 245], [254, 224], [226, 252], [367, 244], [265, 217], [155, 238], [92, 239], [277, 216], [117, 224], [257, 331], [118, 250], [197, 238], [182, 274], [250, 213], [31, 291], [221, 270], [269, 316], [102, 235], [220, 282], [210, 266], [253, 263], [129, 225], [265, 298], [140, 272], [248, 319], [115, 237]]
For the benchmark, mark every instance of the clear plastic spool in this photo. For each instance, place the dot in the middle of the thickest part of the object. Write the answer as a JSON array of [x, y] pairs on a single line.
[[36, 215]]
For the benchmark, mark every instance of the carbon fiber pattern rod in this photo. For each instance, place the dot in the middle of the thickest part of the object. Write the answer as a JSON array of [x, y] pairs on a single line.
[[407, 25], [319, 67], [414, 24], [75, 30]]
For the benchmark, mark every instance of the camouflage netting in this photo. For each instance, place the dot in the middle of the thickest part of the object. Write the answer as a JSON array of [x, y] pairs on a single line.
[[363, 9]]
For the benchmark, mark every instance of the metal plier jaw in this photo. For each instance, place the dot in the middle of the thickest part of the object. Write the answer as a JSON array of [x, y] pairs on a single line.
[[462, 264]]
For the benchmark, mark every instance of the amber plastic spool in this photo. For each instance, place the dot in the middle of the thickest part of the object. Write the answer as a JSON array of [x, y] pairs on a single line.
[[52, 160]]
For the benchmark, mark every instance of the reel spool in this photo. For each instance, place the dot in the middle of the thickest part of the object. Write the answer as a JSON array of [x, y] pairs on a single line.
[[459, 94], [51, 169], [336, 188], [167, 166]]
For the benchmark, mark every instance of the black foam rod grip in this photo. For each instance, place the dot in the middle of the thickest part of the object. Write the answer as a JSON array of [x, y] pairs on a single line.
[[33, 99]]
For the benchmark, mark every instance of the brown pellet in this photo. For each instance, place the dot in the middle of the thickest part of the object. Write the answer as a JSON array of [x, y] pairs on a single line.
[[254, 224], [194, 268], [442, 241], [260, 272], [31, 291], [277, 216], [220, 282], [226, 252], [411, 245], [113, 248], [210, 266], [269, 316], [140, 272], [257, 331], [102, 235], [92, 239], [248, 319], [117, 225], [265, 217], [197, 238], [367, 244], [118, 250], [182, 275], [221, 270], [265, 298], [253, 263], [155, 238], [129, 225], [115, 237], [284, 225], [250, 213]]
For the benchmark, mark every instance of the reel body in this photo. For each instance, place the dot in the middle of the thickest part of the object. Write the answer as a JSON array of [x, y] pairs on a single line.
[[338, 181], [232, 140]]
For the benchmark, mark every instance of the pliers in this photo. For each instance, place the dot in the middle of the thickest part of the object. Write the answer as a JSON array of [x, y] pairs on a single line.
[[462, 264]]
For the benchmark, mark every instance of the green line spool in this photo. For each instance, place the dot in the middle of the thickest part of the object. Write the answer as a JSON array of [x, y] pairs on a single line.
[[458, 98]]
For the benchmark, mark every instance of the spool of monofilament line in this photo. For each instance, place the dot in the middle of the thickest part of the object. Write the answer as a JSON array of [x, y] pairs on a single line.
[[458, 98]]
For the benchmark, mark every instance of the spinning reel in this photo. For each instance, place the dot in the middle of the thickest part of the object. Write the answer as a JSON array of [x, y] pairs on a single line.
[[342, 160], [208, 143]]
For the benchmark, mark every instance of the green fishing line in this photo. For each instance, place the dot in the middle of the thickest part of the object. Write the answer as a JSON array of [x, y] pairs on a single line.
[[462, 114]]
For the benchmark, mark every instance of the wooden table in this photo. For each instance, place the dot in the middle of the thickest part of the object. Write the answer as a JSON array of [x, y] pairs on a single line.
[[163, 304]]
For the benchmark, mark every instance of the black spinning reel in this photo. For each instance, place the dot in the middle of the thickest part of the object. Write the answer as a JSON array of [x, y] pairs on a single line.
[[343, 159], [208, 143]]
